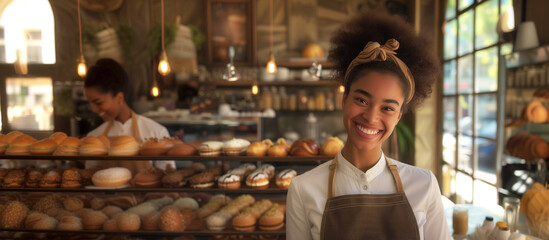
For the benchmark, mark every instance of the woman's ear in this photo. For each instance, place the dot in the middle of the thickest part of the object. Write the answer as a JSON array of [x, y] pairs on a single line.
[[120, 97]]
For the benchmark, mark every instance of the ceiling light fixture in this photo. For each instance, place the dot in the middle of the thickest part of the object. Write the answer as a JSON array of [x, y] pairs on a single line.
[[81, 69]]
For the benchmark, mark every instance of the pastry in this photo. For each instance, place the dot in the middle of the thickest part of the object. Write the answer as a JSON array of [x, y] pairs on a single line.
[[235, 147], [58, 137], [271, 220], [11, 136], [210, 148], [14, 178], [196, 167], [304, 147], [171, 220], [277, 150], [331, 146], [260, 207], [150, 178], [43, 147], [112, 177], [212, 206], [70, 223], [202, 180], [258, 179], [186, 202], [51, 179], [13, 215], [150, 221], [269, 169], [257, 149], [40, 221], [244, 222], [3, 145], [20, 145], [33, 178], [46, 203], [110, 211], [188, 215], [93, 220], [218, 221], [70, 146], [173, 179], [183, 150], [229, 181], [71, 179], [536, 112], [93, 146], [155, 146], [124, 146], [284, 178], [73, 203], [128, 222], [110, 225]]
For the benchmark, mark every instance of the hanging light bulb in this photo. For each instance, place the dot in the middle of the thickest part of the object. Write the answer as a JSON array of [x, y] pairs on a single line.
[[271, 64], [163, 65], [255, 89], [154, 90], [82, 69], [341, 89]]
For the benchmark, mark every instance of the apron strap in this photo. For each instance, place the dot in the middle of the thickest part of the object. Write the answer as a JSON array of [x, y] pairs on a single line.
[[394, 172], [135, 127], [333, 170], [331, 181]]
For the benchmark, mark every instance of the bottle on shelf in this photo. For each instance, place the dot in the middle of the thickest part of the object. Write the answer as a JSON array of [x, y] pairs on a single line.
[[320, 101], [276, 99], [312, 127], [292, 102], [302, 100], [283, 99], [330, 106]]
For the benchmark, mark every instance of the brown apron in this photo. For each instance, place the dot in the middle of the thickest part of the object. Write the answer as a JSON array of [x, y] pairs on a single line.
[[368, 216], [133, 166]]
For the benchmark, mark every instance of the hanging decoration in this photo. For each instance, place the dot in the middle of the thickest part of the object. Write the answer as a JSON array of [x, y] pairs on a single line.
[[81, 68]]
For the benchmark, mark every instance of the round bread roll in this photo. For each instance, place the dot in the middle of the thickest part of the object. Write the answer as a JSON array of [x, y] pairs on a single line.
[[312, 50], [171, 220], [13, 215], [58, 137], [210, 148], [183, 150], [536, 112], [43, 147], [93, 146], [11, 136], [128, 222], [112, 177], [110, 225], [3, 146], [257, 149], [155, 146], [93, 220], [20, 145], [70, 146], [304, 147], [277, 150], [235, 147], [186, 202], [272, 220], [124, 146], [73, 203], [110, 210], [331, 146], [150, 222], [218, 221], [70, 223]]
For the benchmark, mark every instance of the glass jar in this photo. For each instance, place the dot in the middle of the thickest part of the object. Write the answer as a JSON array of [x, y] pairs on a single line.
[[320, 101], [292, 102]]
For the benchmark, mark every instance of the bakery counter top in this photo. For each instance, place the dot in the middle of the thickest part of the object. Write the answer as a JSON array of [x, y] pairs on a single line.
[[195, 232], [176, 158]]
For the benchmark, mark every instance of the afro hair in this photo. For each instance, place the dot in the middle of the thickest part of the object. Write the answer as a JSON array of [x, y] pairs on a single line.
[[415, 51]]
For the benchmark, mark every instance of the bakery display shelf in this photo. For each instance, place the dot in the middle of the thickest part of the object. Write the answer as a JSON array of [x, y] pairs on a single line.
[[150, 233], [242, 190], [291, 83], [175, 158]]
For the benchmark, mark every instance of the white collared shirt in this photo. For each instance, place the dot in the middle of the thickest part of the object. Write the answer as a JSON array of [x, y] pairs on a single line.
[[148, 128], [309, 191]]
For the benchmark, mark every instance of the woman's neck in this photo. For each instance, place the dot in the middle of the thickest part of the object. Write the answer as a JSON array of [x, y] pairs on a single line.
[[125, 113], [361, 159]]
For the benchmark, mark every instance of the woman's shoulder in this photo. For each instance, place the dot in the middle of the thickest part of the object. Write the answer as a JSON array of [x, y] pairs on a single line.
[[319, 172], [413, 171]]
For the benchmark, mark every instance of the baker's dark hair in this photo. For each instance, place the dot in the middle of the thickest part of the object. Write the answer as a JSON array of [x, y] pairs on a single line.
[[108, 76], [415, 51]]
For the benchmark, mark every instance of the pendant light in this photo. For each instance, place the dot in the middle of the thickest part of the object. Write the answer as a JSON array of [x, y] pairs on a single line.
[[341, 89], [81, 69], [155, 91], [255, 89], [271, 64], [163, 65]]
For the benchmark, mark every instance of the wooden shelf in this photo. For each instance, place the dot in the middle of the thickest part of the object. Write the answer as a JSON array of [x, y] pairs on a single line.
[[293, 83], [149, 233], [303, 64], [242, 190], [175, 158]]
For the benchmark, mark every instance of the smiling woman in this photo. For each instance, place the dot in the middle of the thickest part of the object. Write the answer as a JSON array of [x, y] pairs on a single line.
[[389, 199], [105, 88]]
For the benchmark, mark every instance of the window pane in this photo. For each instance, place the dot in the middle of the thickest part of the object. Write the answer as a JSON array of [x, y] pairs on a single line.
[[451, 9], [465, 126], [486, 70], [30, 103], [465, 34], [486, 152], [486, 110], [449, 148], [464, 188], [486, 22], [450, 40], [448, 180], [485, 195], [449, 109], [450, 77], [465, 74], [464, 4]]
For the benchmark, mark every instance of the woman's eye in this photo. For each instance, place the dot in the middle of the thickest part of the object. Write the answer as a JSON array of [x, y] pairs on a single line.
[[388, 109], [362, 101]]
